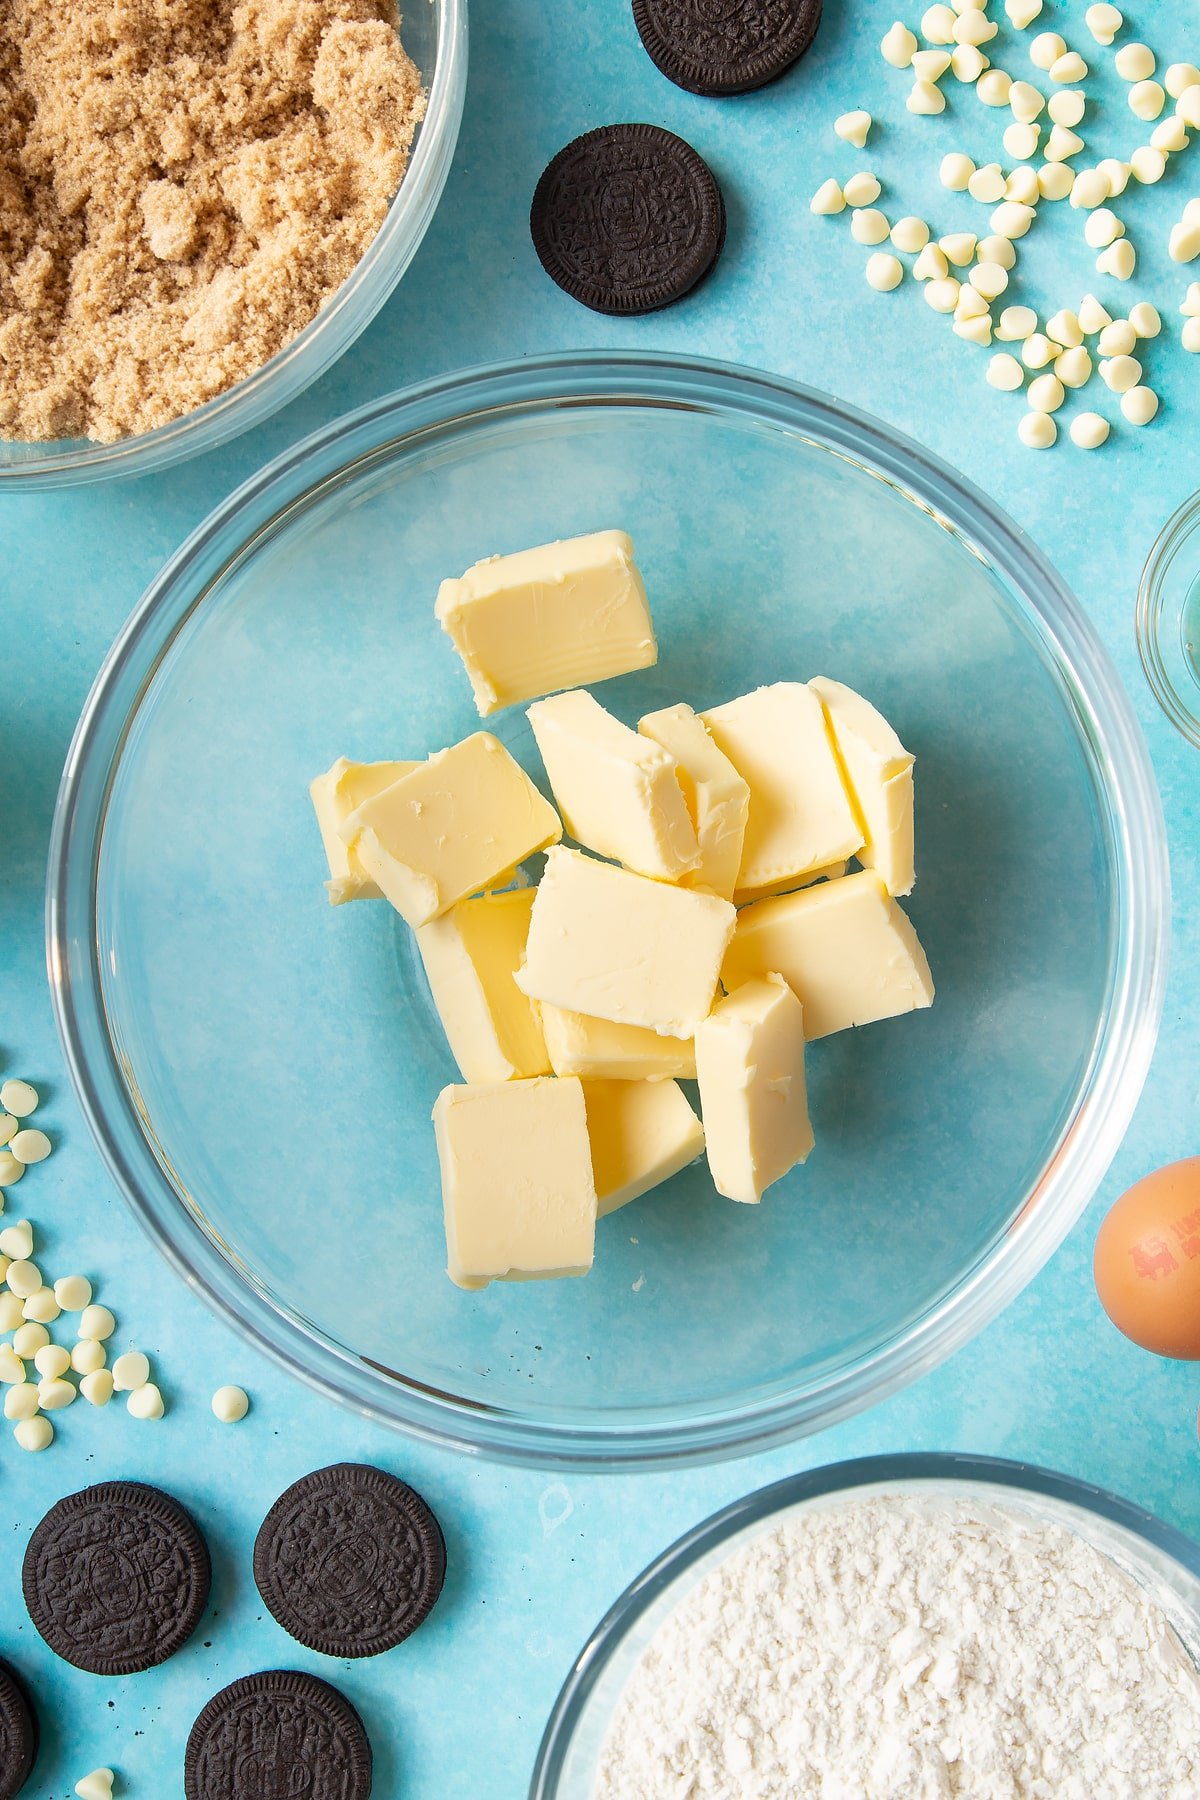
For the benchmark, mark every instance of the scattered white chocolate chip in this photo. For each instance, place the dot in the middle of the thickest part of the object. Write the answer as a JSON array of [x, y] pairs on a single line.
[[12, 1369], [1021, 141], [54, 1395], [11, 1169], [861, 189], [989, 279], [1046, 393], [52, 1361], [41, 1306], [976, 330], [1102, 228], [1146, 99], [1093, 317], [230, 1404], [96, 1786], [28, 1339], [1145, 319], [18, 1098], [12, 1312], [1184, 248], [97, 1323], [1065, 329], [967, 63], [1180, 77], [1139, 404], [1117, 339], [1067, 106], [994, 87], [974, 28], [1016, 324], [21, 1401], [1022, 13], [1037, 431], [930, 65], [937, 25], [16, 1240], [987, 184], [1088, 430], [87, 1356], [30, 1146], [956, 171], [1022, 186], [1190, 336], [1026, 101], [910, 235], [1046, 49], [8, 1126], [1090, 189], [931, 265], [854, 127], [1005, 372], [1135, 62], [868, 225], [1103, 22], [925, 98], [1189, 307], [97, 1387], [942, 295], [24, 1278], [1055, 180], [1116, 174], [34, 1434], [145, 1402], [996, 249], [1037, 350], [970, 304], [73, 1292], [828, 198], [132, 1370], [1011, 219], [898, 46], [1120, 373], [1119, 260], [1062, 143], [1170, 136], [1188, 106], [1069, 68], [958, 247]]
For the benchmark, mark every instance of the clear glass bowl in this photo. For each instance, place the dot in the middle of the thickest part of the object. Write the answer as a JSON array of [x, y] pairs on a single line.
[[435, 36], [1168, 619], [1161, 1559], [259, 1068]]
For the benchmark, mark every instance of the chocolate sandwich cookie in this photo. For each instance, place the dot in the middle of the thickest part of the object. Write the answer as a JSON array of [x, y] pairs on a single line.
[[627, 219], [350, 1560], [18, 1733], [278, 1733], [116, 1578], [719, 47]]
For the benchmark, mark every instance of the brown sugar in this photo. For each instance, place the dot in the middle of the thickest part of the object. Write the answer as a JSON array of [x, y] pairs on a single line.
[[183, 184]]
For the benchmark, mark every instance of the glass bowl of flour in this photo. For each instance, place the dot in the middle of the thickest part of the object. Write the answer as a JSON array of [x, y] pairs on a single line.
[[897, 1628]]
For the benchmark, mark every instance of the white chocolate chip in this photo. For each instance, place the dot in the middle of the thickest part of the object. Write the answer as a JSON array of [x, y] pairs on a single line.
[[1139, 405], [132, 1370], [976, 330], [1102, 228], [1103, 22], [1062, 143], [989, 279], [96, 1323], [828, 198], [28, 1339], [1190, 336], [1055, 180], [1011, 219], [910, 235], [18, 1098], [967, 62], [42, 1306], [1069, 68], [1065, 329], [1090, 189], [1117, 339], [884, 272], [21, 1401], [854, 127], [97, 1387], [12, 1311], [942, 295], [145, 1402], [11, 1170], [1026, 101], [1188, 106], [1117, 173], [1145, 319], [24, 1278], [1189, 307], [868, 225], [1005, 372], [937, 25], [96, 1786], [1037, 350], [52, 1361], [34, 1434], [1093, 317], [1067, 106], [998, 250], [1016, 324], [1021, 141], [971, 304], [1180, 77], [1046, 49], [1022, 13], [987, 184], [931, 265], [1134, 62], [1119, 260], [930, 65], [12, 1369], [1120, 373], [861, 189], [1022, 186], [230, 1404], [971, 29], [1037, 430], [16, 1240], [54, 1395], [8, 1126], [926, 98], [87, 1356], [30, 1146], [1147, 164], [898, 46], [1046, 393], [1074, 367], [1184, 247], [994, 87], [1089, 430], [959, 247], [1146, 99], [956, 171], [1169, 136], [73, 1292]]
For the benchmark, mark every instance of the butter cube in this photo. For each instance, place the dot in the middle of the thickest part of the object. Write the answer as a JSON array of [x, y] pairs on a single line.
[[618, 946], [800, 814], [642, 1133], [335, 795], [578, 1045], [455, 824], [618, 793], [471, 955], [717, 797], [517, 1188], [878, 773], [845, 948], [750, 1066], [560, 616]]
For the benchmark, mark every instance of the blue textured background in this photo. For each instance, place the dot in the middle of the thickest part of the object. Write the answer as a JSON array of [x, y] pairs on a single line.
[[535, 1560]]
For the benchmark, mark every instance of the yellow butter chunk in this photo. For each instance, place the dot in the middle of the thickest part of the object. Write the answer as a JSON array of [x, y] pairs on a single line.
[[517, 1189], [578, 1045], [471, 955], [717, 797], [750, 1066], [618, 946], [642, 1133], [845, 948], [878, 772], [335, 795], [800, 816], [455, 824], [559, 616], [618, 793]]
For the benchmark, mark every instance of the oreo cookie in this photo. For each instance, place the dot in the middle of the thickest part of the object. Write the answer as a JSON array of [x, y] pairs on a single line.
[[278, 1733], [627, 219], [18, 1733], [116, 1578], [720, 47], [350, 1560]]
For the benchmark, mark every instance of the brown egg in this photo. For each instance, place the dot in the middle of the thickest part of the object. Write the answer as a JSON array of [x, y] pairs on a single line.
[[1147, 1262]]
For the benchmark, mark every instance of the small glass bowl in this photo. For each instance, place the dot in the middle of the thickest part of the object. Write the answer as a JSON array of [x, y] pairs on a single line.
[[1160, 1559], [1168, 619], [435, 36]]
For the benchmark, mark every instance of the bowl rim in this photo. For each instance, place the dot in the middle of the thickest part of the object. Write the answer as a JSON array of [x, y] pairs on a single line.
[[322, 341], [1152, 622], [1126, 794], [1008, 1476]]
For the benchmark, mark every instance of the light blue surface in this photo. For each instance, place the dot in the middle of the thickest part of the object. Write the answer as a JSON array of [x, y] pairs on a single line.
[[534, 1561]]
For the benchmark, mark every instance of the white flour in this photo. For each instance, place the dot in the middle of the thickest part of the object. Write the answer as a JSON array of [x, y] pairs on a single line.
[[892, 1649]]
